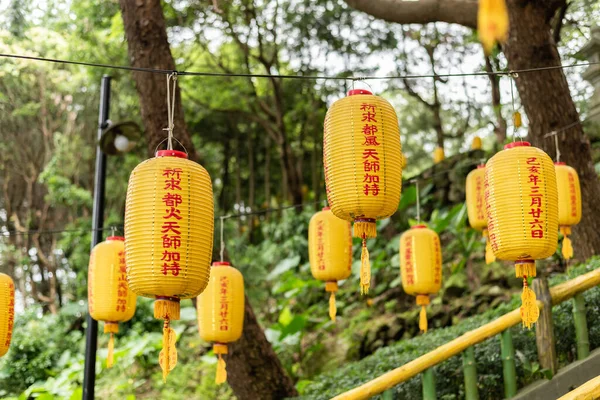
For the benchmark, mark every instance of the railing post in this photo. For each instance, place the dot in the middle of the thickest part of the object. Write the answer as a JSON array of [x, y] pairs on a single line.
[[507, 351], [581, 328], [428, 380], [544, 328], [470, 372], [388, 395]]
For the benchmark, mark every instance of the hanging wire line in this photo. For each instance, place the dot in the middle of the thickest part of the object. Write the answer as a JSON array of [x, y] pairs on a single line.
[[283, 76], [418, 201], [222, 252], [170, 108]]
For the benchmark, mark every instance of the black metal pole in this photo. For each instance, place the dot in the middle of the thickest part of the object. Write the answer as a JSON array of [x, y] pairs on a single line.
[[91, 334]]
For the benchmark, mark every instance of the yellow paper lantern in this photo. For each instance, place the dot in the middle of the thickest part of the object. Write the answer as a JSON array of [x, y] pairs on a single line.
[[522, 213], [492, 23], [438, 155], [421, 266], [109, 297], [7, 312], [476, 208], [169, 237], [362, 157], [476, 143], [569, 204], [221, 311], [330, 252]]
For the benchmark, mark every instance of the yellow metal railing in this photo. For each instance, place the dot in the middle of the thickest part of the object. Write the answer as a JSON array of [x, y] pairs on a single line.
[[559, 293]]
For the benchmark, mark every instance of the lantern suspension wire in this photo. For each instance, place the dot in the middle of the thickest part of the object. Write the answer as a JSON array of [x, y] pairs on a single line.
[[418, 201], [222, 252], [516, 115], [172, 77], [557, 148], [281, 76]]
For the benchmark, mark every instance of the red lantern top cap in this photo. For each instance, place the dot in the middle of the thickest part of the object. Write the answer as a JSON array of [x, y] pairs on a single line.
[[326, 208], [420, 226], [221, 264], [358, 91], [121, 238], [560, 163], [171, 153], [517, 144], [481, 166]]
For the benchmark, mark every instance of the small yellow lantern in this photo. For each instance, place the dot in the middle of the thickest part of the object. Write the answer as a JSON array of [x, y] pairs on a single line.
[[109, 297], [7, 312], [169, 237], [329, 252], [221, 311], [476, 143], [492, 23], [569, 204], [438, 155], [522, 213], [421, 266], [476, 210], [362, 157]]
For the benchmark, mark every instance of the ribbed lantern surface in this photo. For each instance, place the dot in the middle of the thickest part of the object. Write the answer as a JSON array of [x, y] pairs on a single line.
[[7, 312], [330, 252], [362, 157], [569, 204], [221, 311], [169, 223], [421, 266], [109, 297], [522, 212], [476, 207]]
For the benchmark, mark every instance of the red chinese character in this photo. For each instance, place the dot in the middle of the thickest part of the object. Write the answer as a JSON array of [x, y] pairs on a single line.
[[174, 173], [172, 200], [173, 267], [368, 117], [171, 226], [170, 256], [534, 179], [371, 178], [537, 233], [172, 213], [369, 130], [367, 107], [171, 241], [534, 169], [172, 184], [370, 141], [535, 212], [532, 161], [371, 166], [374, 188], [370, 153], [536, 201]]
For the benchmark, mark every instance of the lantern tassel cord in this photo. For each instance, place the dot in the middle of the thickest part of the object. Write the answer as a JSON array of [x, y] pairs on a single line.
[[168, 355], [567, 246], [365, 268], [221, 371], [332, 306], [111, 349], [423, 319], [489, 253], [529, 309]]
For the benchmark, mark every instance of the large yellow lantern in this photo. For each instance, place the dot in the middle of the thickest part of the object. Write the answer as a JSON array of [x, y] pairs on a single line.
[[569, 204], [7, 312], [169, 237], [476, 210], [109, 297], [522, 213], [329, 252], [221, 311], [438, 155], [362, 157], [492, 23], [476, 144], [421, 266]]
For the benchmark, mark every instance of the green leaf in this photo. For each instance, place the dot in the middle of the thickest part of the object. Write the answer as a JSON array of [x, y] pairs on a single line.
[[285, 317]]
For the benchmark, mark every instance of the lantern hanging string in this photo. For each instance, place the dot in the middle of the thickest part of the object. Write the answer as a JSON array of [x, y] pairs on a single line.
[[171, 108], [222, 251], [416, 182], [516, 114]]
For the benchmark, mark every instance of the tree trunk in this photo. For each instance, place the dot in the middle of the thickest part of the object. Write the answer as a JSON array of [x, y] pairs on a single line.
[[148, 47], [549, 106], [258, 374], [253, 369]]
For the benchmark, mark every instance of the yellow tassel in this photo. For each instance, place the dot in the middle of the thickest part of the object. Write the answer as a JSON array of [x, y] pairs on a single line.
[[365, 229], [365, 269], [529, 308], [525, 268], [423, 319], [332, 307], [221, 371], [168, 355], [567, 246], [489, 253], [111, 349], [492, 23]]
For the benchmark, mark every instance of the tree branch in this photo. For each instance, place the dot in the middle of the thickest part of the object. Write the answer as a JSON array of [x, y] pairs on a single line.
[[462, 12]]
